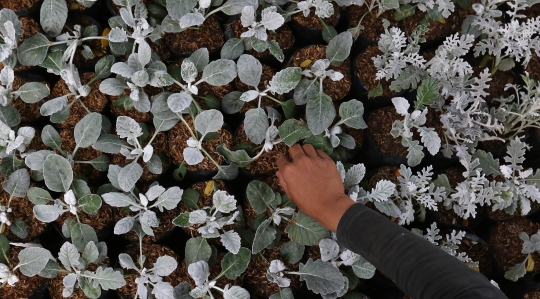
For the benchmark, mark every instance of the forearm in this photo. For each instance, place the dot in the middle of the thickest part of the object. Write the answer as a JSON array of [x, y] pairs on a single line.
[[418, 268]]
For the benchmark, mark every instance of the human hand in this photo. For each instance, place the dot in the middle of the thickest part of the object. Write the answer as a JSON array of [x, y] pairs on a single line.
[[310, 179]]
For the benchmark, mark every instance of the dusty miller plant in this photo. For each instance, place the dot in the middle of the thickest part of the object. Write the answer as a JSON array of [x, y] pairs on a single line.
[[530, 246]]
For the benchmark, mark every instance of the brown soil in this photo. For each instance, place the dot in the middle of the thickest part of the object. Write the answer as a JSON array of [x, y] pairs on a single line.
[[95, 101], [507, 245], [209, 35], [29, 112], [337, 90], [99, 221], [533, 68], [380, 125], [214, 271], [26, 285], [491, 145], [165, 226], [433, 120], [18, 4], [159, 144], [357, 134], [532, 294], [373, 25], [178, 136], [366, 71], [267, 75], [152, 253], [255, 280], [478, 252], [161, 49], [266, 163], [312, 21], [22, 209], [436, 29], [30, 28], [532, 12], [83, 154], [282, 35]]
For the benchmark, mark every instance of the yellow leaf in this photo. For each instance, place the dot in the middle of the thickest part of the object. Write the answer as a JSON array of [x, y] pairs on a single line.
[[442, 21], [3, 229], [305, 63], [475, 268], [209, 188], [104, 42], [530, 263], [74, 6]]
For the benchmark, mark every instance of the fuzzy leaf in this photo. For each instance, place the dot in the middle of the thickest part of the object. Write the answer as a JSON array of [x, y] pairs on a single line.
[[292, 252], [178, 8], [19, 228], [192, 156], [239, 158], [178, 102], [112, 87], [109, 144], [90, 253], [264, 236], [351, 114], [339, 48], [82, 234], [235, 292], [57, 173], [126, 261], [320, 113], [430, 139], [261, 196], [53, 106], [18, 183], [197, 249], [124, 225], [90, 203], [256, 124], [285, 80], [233, 265], [234, 7], [32, 260], [169, 199], [209, 121], [199, 272], [401, 105], [51, 137], [129, 175], [321, 277], [415, 155], [69, 256], [227, 172], [363, 269], [47, 213], [219, 72], [516, 271], [188, 71], [232, 49], [488, 164], [292, 131], [87, 130], [53, 16], [107, 278], [39, 196], [33, 92], [164, 265], [163, 290], [427, 93], [231, 241], [103, 67], [249, 70], [306, 231], [285, 293], [200, 58], [305, 90]]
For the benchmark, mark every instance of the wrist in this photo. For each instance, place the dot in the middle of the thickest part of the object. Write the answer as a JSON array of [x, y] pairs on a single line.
[[334, 211]]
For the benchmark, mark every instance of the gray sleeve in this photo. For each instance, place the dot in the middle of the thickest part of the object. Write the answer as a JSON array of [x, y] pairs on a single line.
[[418, 268]]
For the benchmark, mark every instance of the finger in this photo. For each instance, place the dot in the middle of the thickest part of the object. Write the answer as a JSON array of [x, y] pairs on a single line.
[[322, 154], [296, 152], [283, 183], [282, 161], [310, 151]]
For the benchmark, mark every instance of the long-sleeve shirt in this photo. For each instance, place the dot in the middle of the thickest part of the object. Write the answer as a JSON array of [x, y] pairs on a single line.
[[419, 268]]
